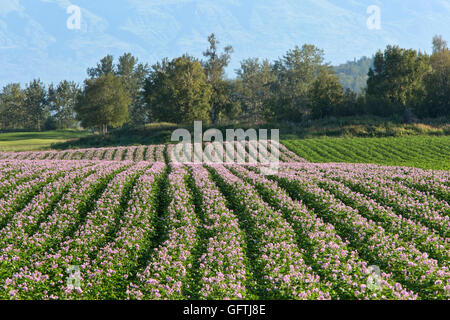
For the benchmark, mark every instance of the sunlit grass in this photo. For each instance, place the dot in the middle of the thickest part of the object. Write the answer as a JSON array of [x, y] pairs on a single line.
[[30, 141]]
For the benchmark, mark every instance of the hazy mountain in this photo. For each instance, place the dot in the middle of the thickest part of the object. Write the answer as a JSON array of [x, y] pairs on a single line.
[[35, 42], [354, 74]]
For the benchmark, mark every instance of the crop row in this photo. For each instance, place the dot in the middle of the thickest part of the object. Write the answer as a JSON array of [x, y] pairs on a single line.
[[147, 230], [415, 151], [246, 151]]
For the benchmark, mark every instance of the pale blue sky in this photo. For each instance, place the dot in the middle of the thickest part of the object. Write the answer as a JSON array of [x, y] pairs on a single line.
[[35, 41]]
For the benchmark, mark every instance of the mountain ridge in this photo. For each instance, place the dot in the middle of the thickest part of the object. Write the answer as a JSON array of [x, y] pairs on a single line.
[[35, 42]]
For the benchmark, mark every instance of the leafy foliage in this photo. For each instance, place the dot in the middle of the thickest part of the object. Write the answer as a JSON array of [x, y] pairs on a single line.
[[222, 102], [437, 102], [12, 107], [296, 88], [178, 91], [253, 88], [327, 95], [397, 80], [295, 75], [104, 102], [62, 101]]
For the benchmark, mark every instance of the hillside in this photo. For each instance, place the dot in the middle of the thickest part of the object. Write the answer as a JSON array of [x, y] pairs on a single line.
[[353, 74]]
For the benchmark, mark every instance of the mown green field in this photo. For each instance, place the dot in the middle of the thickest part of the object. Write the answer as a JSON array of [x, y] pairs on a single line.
[[425, 152], [31, 141]]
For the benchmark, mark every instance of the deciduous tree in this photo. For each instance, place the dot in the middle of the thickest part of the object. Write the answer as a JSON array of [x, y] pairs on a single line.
[[104, 67], [178, 91], [397, 80], [104, 103], [36, 105], [295, 75], [13, 114], [326, 95], [133, 75], [214, 66], [62, 101], [437, 102], [254, 79]]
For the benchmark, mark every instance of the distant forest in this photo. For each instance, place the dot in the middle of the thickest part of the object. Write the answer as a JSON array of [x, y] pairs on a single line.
[[298, 86]]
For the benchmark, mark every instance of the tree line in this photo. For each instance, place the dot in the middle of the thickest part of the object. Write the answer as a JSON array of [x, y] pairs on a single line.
[[300, 85]]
